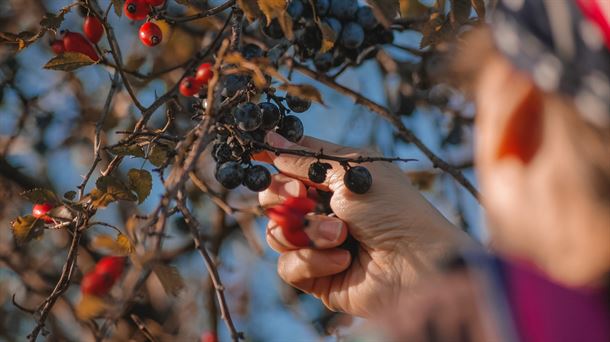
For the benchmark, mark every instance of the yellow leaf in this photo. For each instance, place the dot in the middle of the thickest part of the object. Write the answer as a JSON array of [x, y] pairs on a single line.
[[158, 154], [170, 278], [121, 246], [272, 8], [286, 24], [90, 307], [140, 181], [124, 244], [69, 61], [26, 228], [304, 91], [250, 8]]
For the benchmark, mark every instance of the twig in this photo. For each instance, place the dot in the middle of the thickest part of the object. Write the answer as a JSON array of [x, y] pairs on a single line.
[[143, 328], [212, 271], [208, 13], [403, 131], [218, 199]]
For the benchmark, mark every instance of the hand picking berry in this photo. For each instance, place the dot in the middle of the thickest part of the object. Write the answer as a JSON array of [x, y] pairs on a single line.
[[358, 179]]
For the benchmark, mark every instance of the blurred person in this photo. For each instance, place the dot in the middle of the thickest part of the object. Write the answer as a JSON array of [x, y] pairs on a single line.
[[540, 80]]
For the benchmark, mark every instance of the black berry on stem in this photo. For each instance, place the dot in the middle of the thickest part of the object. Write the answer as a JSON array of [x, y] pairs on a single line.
[[257, 178], [230, 174], [271, 115], [297, 104], [317, 172], [248, 116], [291, 128], [358, 179]]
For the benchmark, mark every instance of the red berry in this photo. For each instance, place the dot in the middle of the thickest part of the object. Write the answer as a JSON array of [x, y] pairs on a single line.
[[189, 86], [112, 266], [208, 336], [204, 73], [155, 3], [96, 284], [93, 29], [76, 42], [150, 34], [136, 9], [41, 210], [291, 222], [57, 46]]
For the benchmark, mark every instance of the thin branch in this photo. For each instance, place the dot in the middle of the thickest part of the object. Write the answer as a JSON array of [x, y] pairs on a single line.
[[143, 328], [212, 11], [218, 199]]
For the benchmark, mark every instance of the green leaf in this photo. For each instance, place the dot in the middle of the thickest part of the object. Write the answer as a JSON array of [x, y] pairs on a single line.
[[52, 21], [158, 155], [140, 181], [170, 278], [69, 61], [26, 228], [40, 196], [118, 6], [127, 150]]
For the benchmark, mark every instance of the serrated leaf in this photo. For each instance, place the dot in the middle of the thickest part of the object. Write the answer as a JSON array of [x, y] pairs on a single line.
[[40, 196], [52, 21], [25, 228], [140, 181], [272, 8], [70, 195], [121, 246], [127, 150], [385, 10], [250, 8], [170, 278], [412, 9], [158, 155], [479, 7], [69, 61], [90, 307], [118, 7], [304, 91], [329, 36]]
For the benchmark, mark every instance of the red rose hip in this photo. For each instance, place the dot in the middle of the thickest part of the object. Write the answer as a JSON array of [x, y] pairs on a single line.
[[41, 210], [150, 34], [204, 73], [112, 266], [96, 284], [76, 42], [155, 3], [57, 46], [189, 86], [136, 9], [93, 29]]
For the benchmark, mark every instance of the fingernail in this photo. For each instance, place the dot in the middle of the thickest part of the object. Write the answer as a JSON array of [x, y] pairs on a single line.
[[293, 188], [330, 230], [339, 257], [277, 140]]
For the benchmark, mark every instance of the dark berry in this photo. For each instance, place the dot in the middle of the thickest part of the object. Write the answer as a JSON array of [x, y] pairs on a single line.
[[150, 34], [291, 128], [323, 61], [250, 51], [358, 179], [257, 178], [352, 35], [248, 116], [257, 135], [295, 9], [338, 57], [222, 152], [322, 7], [344, 9], [366, 18], [334, 24], [407, 105], [270, 115], [350, 54], [297, 104], [229, 174], [309, 38], [317, 172], [273, 30], [387, 37]]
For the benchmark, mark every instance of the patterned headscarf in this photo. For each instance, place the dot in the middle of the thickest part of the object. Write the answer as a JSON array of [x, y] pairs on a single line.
[[564, 45]]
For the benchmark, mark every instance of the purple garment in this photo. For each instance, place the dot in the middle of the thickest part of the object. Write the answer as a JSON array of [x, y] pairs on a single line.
[[544, 311]]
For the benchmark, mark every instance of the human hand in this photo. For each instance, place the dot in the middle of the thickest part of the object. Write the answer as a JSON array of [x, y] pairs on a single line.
[[401, 236]]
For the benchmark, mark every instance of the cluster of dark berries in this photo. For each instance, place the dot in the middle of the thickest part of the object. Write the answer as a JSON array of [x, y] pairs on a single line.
[[353, 28], [240, 133], [357, 179], [150, 33]]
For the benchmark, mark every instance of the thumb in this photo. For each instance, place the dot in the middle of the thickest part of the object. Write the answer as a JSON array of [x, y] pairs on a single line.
[[298, 166]]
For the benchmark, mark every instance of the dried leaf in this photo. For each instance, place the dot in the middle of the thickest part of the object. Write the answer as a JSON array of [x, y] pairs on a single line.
[[40, 196], [479, 7], [304, 91], [272, 8], [329, 36], [140, 181], [158, 154], [127, 150], [69, 61], [101, 199], [286, 24], [52, 21], [90, 307], [412, 9], [385, 10], [460, 11], [121, 246], [26, 228], [110, 189], [250, 8], [170, 278], [70, 195], [118, 7]]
